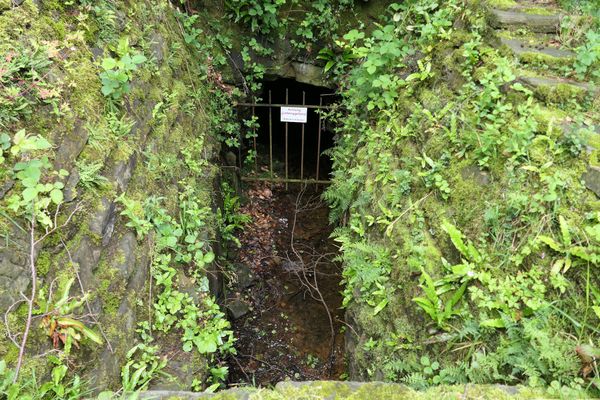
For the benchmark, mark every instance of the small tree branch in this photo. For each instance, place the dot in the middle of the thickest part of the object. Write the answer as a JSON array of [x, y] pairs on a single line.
[[32, 243]]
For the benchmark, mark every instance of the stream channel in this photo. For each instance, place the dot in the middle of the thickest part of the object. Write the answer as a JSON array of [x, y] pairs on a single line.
[[286, 302]]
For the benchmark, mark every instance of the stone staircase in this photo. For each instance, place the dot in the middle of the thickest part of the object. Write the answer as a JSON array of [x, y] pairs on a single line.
[[531, 31]]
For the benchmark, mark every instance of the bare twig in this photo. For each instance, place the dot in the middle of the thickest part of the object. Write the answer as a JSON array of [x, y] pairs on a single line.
[[30, 301]]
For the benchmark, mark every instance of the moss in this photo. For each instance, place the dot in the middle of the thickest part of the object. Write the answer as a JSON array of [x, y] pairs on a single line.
[[502, 4], [43, 263], [545, 61], [539, 10], [561, 93]]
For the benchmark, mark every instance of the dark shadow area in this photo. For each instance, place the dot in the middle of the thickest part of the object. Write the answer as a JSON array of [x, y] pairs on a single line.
[[270, 121]]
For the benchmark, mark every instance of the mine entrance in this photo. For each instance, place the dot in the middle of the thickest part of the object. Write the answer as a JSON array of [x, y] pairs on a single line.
[[284, 300], [287, 142]]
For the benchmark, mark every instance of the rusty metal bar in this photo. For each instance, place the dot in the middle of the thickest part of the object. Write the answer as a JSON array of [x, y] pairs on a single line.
[[319, 140], [240, 142], [280, 105], [286, 141], [302, 148], [283, 180], [254, 138], [270, 136]]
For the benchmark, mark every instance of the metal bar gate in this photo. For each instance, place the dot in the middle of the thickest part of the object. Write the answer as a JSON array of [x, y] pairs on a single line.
[[296, 112]]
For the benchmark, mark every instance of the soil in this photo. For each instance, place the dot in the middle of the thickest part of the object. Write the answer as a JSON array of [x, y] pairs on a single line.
[[293, 327]]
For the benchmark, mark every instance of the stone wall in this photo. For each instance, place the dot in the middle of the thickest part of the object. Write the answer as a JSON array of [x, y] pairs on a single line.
[[166, 109]]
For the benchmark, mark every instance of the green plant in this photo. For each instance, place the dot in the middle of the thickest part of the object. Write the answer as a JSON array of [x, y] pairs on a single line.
[[229, 219], [39, 185], [89, 175], [30, 389], [587, 61], [258, 15], [573, 254], [432, 303], [134, 211], [143, 363], [59, 322], [433, 177], [118, 71]]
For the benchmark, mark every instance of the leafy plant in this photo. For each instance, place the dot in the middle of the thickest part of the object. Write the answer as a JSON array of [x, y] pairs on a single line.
[[89, 175], [588, 56], [258, 15], [57, 388], [34, 175], [433, 304], [118, 71], [573, 254], [59, 323], [134, 211]]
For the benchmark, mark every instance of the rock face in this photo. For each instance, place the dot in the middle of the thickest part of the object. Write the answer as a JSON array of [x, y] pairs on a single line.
[[111, 262]]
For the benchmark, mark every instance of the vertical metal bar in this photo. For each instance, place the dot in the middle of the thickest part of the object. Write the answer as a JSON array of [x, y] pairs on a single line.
[[254, 138], [240, 142], [302, 148], [319, 139], [270, 135], [286, 142]]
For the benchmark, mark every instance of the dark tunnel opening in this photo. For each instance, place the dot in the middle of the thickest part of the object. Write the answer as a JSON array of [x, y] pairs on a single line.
[[302, 159]]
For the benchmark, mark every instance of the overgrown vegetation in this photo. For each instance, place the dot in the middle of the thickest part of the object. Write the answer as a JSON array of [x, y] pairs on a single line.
[[462, 176]]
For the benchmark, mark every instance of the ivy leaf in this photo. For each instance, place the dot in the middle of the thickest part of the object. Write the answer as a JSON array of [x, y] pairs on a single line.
[[209, 257], [57, 196], [109, 63], [29, 194]]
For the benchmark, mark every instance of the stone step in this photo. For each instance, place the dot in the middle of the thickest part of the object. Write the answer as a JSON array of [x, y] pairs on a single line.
[[517, 18], [558, 90], [340, 390], [522, 47]]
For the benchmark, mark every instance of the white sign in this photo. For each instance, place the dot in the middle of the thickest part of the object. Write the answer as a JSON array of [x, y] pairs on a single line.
[[294, 114]]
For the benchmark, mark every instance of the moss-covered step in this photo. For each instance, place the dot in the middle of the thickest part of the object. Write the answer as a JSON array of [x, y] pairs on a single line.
[[338, 390], [540, 56], [557, 90], [521, 18], [524, 48]]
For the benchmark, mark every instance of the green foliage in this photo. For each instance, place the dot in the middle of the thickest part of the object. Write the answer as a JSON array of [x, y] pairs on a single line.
[[59, 321], [366, 269], [39, 186], [434, 125], [432, 303], [259, 15], [143, 363], [134, 211], [30, 389], [89, 175], [202, 325], [229, 219], [118, 71], [587, 61], [22, 82]]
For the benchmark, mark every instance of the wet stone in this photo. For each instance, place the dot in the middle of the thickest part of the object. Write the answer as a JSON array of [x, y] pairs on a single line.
[[519, 47], [245, 276], [592, 179], [237, 309], [518, 19], [472, 172]]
